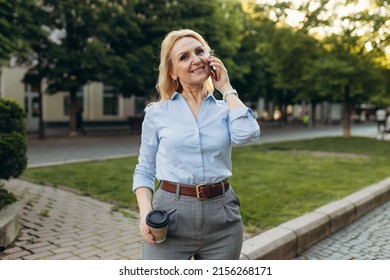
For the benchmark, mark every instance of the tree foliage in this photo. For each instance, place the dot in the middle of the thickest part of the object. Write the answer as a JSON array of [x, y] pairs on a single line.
[[76, 51], [323, 55], [16, 22]]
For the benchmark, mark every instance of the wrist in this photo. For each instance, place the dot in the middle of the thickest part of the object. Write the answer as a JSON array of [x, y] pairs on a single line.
[[145, 212], [229, 92]]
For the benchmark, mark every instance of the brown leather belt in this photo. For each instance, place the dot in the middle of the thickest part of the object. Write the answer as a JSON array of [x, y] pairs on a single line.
[[202, 191]]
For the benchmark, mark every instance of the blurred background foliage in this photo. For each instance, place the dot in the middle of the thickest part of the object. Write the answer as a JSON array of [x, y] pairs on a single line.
[[283, 51]]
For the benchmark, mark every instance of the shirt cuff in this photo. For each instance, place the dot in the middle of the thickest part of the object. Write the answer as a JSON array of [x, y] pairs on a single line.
[[140, 183], [241, 112]]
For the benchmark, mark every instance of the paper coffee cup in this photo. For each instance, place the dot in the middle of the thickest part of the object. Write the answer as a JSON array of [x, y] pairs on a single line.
[[158, 221]]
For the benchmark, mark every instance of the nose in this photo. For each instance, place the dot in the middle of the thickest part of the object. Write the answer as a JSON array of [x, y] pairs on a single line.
[[196, 59]]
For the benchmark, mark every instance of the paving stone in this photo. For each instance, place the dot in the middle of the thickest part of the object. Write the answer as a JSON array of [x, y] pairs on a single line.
[[90, 254], [76, 225], [44, 248], [37, 244], [63, 256], [360, 240], [39, 256], [109, 253], [16, 256], [63, 250]]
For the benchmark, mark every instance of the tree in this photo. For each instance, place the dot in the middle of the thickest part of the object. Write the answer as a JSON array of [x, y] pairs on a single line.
[[255, 80], [275, 55], [76, 50], [16, 20], [217, 21], [127, 61], [351, 66], [21, 22], [289, 56], [9, 42], [38, 60], [354, 40], [346, 78]]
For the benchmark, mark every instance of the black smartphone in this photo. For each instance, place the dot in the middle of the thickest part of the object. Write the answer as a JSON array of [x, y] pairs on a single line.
[[214, 72]]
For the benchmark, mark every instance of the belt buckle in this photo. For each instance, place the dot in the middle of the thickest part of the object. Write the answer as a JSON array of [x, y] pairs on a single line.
[[198, 192]]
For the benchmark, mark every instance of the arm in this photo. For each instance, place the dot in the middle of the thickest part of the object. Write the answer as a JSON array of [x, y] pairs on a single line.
[[223, 84], [143, 180], [144, 199], [242, 121]]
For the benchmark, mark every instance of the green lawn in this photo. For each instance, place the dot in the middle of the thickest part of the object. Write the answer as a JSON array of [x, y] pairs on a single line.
[[275, 182]]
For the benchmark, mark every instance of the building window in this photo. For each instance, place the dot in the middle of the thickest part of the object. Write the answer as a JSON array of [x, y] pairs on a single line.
[[31, 99], [80, 101], [31, 86], [110, 101], [139, 105]]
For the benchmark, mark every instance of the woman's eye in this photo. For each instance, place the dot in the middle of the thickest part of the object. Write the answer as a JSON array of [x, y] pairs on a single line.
[[200, 51], [183, 57]]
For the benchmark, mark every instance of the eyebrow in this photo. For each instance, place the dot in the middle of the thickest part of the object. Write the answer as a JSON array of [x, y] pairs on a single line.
[[185, 52]]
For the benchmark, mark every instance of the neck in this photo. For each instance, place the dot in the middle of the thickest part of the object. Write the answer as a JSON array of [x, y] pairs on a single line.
[[194, 95]]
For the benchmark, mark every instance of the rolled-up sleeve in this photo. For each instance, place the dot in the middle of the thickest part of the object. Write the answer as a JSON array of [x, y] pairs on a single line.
[[243, 126], [145, 170]]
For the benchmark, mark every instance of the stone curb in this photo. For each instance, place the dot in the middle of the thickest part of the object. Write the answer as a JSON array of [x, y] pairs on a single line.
[[73, 161], [9, 224], [291, 238]]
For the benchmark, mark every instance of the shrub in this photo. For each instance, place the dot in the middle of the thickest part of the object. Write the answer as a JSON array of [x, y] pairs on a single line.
[[13, 147], [6, 198], [12, 117], [13, 159]]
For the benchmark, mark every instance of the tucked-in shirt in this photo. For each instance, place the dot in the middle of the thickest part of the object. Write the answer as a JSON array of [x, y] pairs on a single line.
[[178, 147]]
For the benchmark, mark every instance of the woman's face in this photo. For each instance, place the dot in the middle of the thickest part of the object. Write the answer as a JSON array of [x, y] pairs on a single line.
[[189, 61]]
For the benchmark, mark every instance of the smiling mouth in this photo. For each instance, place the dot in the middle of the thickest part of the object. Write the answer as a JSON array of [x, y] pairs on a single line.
[[198, 70]]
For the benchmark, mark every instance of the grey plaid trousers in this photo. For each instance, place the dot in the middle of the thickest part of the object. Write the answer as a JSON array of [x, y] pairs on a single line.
[[199, 229]]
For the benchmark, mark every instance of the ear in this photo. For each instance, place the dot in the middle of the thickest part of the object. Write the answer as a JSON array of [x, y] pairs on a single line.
[[173, 76]]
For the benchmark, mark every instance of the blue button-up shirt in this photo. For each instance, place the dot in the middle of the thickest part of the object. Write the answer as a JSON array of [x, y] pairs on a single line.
[[178, 147]]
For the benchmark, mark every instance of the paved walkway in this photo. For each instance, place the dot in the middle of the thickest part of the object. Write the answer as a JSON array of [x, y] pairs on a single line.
[[366, 239], [59, 224]]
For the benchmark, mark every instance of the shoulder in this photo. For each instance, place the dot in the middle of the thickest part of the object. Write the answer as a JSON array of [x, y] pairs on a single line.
[[154, 109], [149, 107]]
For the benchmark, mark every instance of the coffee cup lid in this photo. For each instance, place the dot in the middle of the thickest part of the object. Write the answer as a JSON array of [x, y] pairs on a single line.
[[157, 218]]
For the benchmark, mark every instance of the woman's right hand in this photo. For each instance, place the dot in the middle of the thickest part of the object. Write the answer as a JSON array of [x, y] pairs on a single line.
[[144, 199], [145, 230]]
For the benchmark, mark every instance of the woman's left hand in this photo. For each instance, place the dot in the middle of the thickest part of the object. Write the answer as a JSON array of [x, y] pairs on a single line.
[[223, 82]]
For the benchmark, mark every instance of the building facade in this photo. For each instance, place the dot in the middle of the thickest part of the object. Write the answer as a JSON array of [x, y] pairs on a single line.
[[100, 105]]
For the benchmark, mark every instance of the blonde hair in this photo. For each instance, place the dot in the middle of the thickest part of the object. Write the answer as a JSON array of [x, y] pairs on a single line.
[[166, 86]]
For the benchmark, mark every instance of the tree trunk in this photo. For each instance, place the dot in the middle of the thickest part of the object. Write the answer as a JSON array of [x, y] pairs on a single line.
[[72, 112], [347, 112], [313, 112], [284, 114]]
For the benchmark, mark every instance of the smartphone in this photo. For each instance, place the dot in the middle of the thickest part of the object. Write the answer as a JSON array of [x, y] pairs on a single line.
[[214, 72]]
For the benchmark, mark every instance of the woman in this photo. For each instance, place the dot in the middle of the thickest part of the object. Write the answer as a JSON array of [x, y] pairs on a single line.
[[186, 144]]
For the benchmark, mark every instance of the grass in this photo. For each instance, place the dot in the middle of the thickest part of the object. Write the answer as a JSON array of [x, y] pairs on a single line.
[[275, 182]]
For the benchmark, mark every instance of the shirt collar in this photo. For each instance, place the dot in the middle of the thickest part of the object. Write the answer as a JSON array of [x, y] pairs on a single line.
[[209, 96], [174, 95]]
